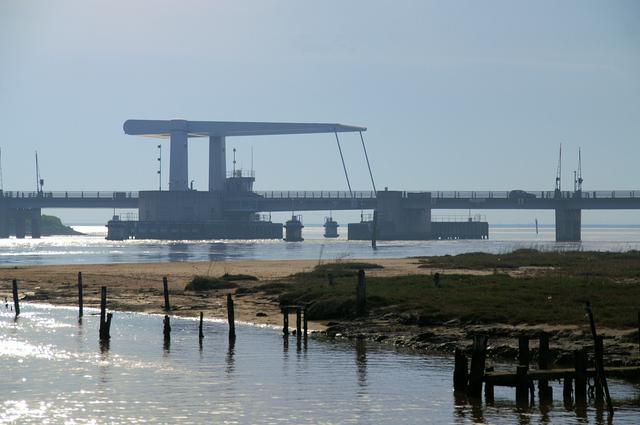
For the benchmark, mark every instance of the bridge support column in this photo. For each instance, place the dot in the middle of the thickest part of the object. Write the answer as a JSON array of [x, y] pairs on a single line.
[[179, 160], [4, 222], [403, 216], [36, 223], [217, 163], [568, 225], [21, 224]]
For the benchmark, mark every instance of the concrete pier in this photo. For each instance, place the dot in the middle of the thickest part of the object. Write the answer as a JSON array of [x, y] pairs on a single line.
[[217, 163], [293, 229], [330, 228], [21, 223], [568, 225], [4, 222], [36, 223]]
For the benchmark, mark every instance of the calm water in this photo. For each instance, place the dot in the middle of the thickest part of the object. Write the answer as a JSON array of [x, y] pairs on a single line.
[[54, 371], [93, 248]]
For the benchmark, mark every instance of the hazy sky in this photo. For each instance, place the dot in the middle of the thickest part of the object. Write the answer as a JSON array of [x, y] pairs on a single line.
[[456, 95]]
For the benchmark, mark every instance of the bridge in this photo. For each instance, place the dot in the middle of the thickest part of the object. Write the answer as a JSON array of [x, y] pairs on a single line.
[[21, 204], [230, 206]]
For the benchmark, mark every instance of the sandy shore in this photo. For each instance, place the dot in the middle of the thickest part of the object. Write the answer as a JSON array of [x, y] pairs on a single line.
[[138, 287]]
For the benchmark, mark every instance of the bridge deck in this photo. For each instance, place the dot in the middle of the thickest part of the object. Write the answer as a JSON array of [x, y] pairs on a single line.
[[341, 200]]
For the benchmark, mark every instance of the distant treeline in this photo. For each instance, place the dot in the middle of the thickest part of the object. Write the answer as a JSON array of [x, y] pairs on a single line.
[[50, 225]]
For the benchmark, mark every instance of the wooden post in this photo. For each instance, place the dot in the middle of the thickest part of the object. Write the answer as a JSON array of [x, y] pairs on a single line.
[[200, 333], [580, 376], [285, 321], [166, 331], [361, 294], [80, 301], [299, 322], [107, 325], [523, 350], [601, 378], [488, 390], [567, 389], [231, 317], [545, 392], [478, 358], [522, 385], [374, 230], [165, 284], [304, 322], [599, 348], [460, 371], [332, 281], [16, 301], [103, 312]]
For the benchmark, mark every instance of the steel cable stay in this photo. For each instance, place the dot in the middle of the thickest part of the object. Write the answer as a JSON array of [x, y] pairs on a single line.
[[343, 164], [364, 148]]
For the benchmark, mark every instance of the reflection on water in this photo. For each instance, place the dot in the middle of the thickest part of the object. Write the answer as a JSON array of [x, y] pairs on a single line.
[[54, 369], [95, 249]]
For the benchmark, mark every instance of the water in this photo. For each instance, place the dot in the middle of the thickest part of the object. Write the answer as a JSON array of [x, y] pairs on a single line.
[[94, 249], [54, 371]]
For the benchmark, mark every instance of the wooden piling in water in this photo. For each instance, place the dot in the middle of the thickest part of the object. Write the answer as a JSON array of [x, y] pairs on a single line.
[[489, 390], [299, 322], [361, 294], [16, 300], [567, 390], [460, 371], [166, 331], [165, 284], [522, 385], [478, 359], [105, 319], [374, 230], [545, 392], [580, 366], [285, 322], [523, 350], [200, 333], [304, 322], [80, 300], [601, 378], [599, 349], [231, 317]]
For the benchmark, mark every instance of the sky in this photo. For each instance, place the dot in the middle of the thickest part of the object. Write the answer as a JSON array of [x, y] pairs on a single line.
[[460, 95]]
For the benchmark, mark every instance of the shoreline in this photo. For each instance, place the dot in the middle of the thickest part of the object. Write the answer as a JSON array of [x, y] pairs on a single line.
[[137, 287]]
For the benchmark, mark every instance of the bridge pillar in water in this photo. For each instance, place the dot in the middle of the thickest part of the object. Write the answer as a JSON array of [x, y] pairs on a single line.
[[293, 229], [179, 159], [403, 215], [21, 223], [217, 163], [568, 224], [36, 223], [4, 222]]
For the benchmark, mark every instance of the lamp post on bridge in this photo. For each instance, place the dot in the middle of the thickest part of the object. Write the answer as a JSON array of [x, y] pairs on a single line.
[[159, 167]]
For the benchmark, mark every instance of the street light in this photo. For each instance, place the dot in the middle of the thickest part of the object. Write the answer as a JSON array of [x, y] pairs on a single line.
[[160, 167]]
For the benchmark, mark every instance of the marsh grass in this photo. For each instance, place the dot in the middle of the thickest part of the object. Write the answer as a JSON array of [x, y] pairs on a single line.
[[556, 296]]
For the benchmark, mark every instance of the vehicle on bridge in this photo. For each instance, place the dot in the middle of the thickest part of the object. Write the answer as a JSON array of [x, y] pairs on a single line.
[[520, 194]]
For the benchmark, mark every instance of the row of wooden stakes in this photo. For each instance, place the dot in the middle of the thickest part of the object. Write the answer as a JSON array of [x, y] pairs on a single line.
[[106, 317]]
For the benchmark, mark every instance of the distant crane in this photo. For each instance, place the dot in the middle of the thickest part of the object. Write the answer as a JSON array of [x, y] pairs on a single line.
[[557, 193]]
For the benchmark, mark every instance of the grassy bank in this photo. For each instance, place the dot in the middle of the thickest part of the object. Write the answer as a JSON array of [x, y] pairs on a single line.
[[555, 293]]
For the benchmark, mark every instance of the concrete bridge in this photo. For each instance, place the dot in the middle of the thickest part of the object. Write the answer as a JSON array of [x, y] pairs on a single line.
[[19, 205]]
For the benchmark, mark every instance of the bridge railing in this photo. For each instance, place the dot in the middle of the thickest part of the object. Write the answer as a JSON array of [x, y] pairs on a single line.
[[70, 195], [316, 194]]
